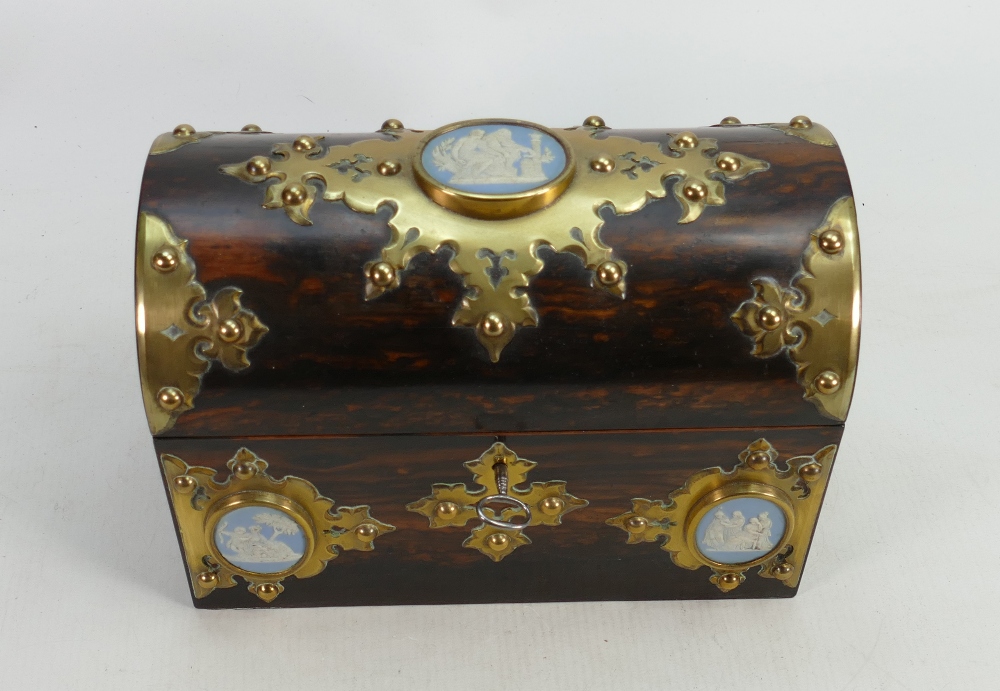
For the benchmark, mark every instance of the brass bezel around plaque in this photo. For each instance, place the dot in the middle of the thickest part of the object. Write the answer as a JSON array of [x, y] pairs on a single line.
[[797, 490], [201, 503]]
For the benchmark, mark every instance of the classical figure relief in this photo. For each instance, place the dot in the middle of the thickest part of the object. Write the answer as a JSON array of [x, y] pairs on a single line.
[[247, 544], [479, 158], [736, 534]]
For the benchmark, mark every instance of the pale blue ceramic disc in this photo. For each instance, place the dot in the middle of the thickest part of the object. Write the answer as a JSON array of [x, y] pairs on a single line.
[[496, 158], [260, 539], [740, 530]]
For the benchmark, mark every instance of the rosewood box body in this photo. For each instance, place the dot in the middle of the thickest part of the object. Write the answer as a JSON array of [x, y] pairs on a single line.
[[496, 362]]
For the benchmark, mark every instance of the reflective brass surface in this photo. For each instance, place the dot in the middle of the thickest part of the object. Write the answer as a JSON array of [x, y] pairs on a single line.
[[171, 141], [454, 505], [180, 331], [820, 313], [199, 502], [757, 474], [496, 237], [804, 128]]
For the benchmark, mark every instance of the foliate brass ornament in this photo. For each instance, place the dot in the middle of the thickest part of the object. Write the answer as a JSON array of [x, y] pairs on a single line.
[[290, 509], [498, 472], [181, 331], [795, 490], [495, 238], [186, 134], [817, 319], [804, 128]]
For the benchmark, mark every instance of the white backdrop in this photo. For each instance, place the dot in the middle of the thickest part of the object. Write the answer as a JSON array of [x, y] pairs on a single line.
[[901, 589]]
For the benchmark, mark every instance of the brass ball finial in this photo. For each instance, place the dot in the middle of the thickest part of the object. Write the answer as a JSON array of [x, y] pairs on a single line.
[[769, 318], [230, 331], [636, 524], [304, 143], [831, 241], [294, 194], [783, 571], [758, 460], [259, 165], [244, 471], [810, 472], [382, 274], [686, 140], [183, 131], [366, 532], [551, 506], [695, 191], [208, 579], [446, 510], [609, 274], [165, 260], [602, 164], [492, 325], [827, 382], [800, 122], [392, 124], [185, 484], [498, 542], [251, 128], [169, 398], [267, 591], [388, 168], [594, 121], [728, 581], [730, 120], [728, 163]]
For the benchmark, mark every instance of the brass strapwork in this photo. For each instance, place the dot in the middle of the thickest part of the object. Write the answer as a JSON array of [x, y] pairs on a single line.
[[816, 320], [760, 513], [495, 237], [504, 511], [181, 331], [259, 528], [802, 127]]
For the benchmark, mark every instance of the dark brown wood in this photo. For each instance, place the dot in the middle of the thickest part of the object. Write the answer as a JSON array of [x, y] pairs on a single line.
[[583, 559], [665, 357]]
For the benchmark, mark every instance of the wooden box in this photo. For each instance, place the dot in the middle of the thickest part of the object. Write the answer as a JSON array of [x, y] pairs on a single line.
[[496, 362]]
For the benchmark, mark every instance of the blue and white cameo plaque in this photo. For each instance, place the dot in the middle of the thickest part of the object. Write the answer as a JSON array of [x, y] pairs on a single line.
[[498, 158], [740, 530], [260, 539]]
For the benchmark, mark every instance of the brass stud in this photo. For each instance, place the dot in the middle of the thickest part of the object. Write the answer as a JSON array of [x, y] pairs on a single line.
[[686, 140], [492, 325], [446, 509], [294, 195], [758, 460], [602, 164], [230, 331], [267, 591], [609, 274], [165, 260], [783, 571], [170, 398], [366, 532], [259, 165], [810, 472], [251, 128], [831, 241], [695, 191], [185, 484], [183, 131], [800, 122], [392, 124], [382, 274], [769, 318], [304, 143], [244, 471], [388, 168], [498, 542], [208, 579], [730, 120], [827, 382], [636, 524], [594, 121], [552, 506], [728, 163], [728, 581]]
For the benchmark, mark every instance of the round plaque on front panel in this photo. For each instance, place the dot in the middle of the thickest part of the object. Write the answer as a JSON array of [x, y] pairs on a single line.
[[494, 169]]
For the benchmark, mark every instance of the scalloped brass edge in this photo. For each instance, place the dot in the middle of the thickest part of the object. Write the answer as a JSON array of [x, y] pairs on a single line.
[[180, 332], [198, 501], [798, 490], [816, 320], [454, 505]]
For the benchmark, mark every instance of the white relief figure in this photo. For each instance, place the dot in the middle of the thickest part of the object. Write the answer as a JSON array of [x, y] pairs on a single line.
[[249, 545], [715, 535], [479, 158], [736, 534]]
